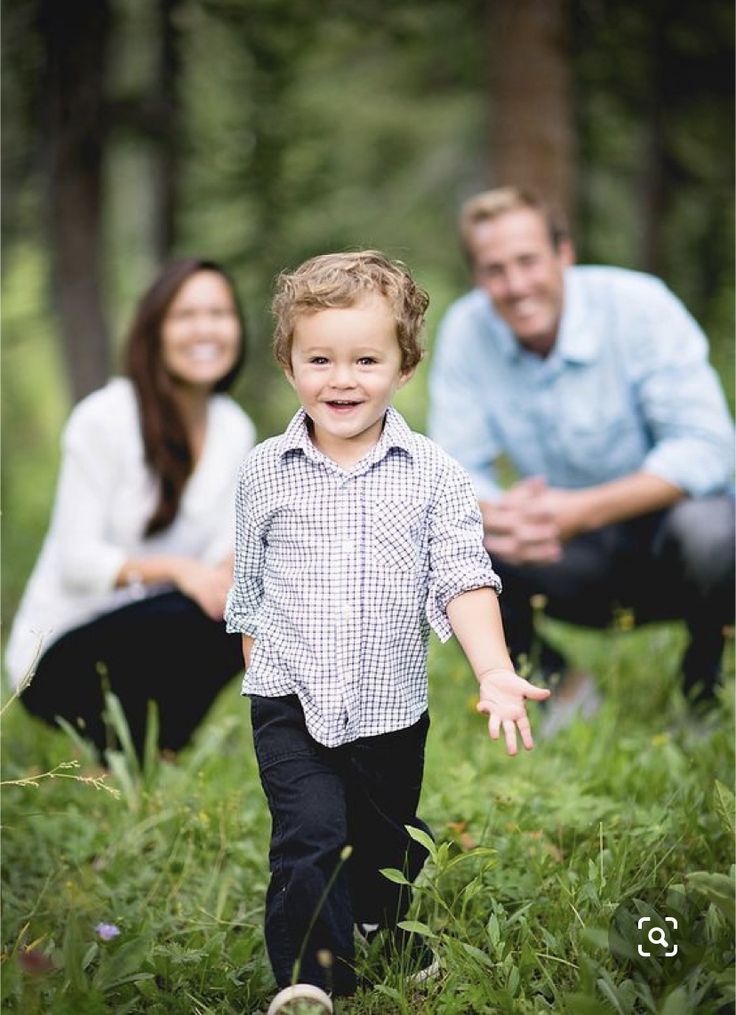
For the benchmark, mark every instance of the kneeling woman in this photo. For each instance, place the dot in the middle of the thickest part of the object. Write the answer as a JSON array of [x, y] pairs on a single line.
[[129, 589]]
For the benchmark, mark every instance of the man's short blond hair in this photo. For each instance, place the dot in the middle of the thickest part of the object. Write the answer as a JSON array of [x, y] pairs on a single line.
[[342, 280], [491, 204]]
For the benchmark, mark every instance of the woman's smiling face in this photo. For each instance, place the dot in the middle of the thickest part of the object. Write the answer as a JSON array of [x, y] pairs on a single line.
[[200, 334]]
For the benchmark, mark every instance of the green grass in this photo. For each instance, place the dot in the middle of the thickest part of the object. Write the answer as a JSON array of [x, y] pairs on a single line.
[[533, 856]]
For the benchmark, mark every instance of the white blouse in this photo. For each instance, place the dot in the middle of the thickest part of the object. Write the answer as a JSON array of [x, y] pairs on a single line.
[[106, 493]]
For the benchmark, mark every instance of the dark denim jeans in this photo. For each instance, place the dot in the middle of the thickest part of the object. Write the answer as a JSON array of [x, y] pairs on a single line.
[[670, 565], [162, 648], [321, 799]]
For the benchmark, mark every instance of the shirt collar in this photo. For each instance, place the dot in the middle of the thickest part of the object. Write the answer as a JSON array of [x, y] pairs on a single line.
[[395, 434], [296, 436], [577, 341]]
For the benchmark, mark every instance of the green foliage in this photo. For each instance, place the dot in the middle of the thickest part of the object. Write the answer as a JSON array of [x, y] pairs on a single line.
[[303, 127], [532, 855], [338, 125], [656, 154], [33, 410], [167, 863]]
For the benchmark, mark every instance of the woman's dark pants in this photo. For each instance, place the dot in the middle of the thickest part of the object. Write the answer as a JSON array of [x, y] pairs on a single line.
[[321, 799], [163, 648]]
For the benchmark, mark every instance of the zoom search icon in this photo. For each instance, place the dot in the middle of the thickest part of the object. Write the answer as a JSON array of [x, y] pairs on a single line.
[[657, 936]]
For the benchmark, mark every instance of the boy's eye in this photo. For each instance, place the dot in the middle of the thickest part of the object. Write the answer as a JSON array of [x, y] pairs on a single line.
[[366, 361], [318, 360]]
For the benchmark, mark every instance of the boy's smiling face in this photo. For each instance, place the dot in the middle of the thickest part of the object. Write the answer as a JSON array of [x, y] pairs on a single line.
[[345, 368]]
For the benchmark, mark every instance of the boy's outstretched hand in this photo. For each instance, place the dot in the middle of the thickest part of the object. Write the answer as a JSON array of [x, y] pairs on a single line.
[[502, 695]]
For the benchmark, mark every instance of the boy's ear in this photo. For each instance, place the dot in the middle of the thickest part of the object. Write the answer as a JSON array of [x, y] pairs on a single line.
[[404, 376]]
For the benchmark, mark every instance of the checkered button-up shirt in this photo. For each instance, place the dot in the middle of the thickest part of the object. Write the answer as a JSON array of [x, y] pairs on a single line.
[[340, 573]]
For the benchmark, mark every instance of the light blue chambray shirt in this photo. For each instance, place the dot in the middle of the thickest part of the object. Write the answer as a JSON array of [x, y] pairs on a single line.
[[627, 387], [339, 574]]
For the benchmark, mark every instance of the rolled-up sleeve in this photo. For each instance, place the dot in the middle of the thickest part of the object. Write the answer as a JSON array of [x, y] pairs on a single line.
[[682, 401], [458, 560], [246, 595]]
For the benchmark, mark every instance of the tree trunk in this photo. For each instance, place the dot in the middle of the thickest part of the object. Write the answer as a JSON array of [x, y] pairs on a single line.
[[533, 136], [167, 116], [660, 171], [74, 35]]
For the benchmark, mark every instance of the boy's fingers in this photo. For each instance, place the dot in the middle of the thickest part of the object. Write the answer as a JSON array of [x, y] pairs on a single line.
[[509, 730], [526, 732], [536, 693]]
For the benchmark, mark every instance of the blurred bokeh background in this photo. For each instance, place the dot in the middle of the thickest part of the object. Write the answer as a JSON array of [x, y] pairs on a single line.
[[260, 132]]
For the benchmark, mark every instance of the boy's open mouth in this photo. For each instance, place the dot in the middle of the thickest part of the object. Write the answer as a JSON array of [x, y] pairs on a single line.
[[341, 404]]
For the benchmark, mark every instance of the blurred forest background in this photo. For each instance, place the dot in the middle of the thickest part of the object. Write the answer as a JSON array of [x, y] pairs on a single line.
[[260, 132]]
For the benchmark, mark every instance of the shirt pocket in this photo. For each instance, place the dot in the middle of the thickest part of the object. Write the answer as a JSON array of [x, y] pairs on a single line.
[[604, 447], [398, 533]]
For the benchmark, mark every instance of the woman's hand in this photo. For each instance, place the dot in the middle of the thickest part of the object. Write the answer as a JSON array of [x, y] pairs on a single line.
[[206, 585]]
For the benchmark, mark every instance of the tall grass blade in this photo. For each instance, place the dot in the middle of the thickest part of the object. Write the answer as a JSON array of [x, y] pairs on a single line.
[[150, 746], [725, 805], [116, 718], [85, 747]]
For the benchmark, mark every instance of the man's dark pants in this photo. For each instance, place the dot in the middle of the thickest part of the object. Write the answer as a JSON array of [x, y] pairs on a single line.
[[321, 799], [673, 564]]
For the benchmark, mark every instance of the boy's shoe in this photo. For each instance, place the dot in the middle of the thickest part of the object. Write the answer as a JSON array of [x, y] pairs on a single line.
[[429, 967], [575, 696], [367, 932], [411, 951], [301, 999]]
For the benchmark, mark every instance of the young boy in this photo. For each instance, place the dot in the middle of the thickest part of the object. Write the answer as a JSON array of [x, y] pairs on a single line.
[[354, 536]]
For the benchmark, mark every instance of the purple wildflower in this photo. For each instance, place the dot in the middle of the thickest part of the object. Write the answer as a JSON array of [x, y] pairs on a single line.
[[107, 931]]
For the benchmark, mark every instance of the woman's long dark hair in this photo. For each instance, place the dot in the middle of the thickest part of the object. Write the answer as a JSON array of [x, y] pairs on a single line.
[[165, 440]]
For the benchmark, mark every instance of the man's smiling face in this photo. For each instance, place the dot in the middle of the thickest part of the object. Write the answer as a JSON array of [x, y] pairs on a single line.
[[516, 263]]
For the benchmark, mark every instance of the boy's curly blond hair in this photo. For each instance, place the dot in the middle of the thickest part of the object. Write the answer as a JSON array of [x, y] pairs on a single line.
[[341, 280]]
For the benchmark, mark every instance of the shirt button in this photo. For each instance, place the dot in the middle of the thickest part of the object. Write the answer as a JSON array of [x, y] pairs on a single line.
[[346, 611], [348, 546]]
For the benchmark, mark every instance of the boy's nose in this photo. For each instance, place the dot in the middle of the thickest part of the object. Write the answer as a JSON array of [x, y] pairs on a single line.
[[342, 377]]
